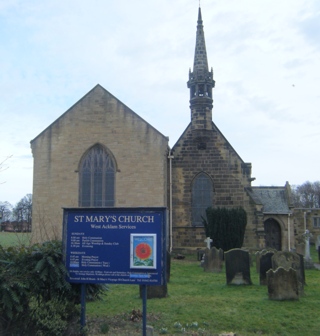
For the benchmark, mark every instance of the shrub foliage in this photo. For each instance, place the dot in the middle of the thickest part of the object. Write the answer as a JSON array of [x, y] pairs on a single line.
[[35, 298], [226, 227]]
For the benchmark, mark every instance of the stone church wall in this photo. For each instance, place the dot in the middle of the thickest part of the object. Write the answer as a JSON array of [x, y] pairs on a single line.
[[140, 153], [208, 152]]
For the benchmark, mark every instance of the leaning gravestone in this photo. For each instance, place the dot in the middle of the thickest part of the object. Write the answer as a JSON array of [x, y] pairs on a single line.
[[265, 264], [289, 260], [283, 284], [213, 260], [237, 264]]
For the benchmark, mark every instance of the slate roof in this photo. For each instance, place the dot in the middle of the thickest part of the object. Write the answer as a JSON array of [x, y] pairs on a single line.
[[273, 199]]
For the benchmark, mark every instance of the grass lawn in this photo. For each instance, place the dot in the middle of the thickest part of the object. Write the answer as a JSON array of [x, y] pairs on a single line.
[[14, 238], [203, 304]]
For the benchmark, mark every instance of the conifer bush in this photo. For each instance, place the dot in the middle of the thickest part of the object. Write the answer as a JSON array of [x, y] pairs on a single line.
[[35, 298], [226, 227]]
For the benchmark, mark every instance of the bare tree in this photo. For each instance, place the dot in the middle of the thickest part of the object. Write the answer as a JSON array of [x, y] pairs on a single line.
[[5, 213], [23, 210], [306, 195], [2, 165]]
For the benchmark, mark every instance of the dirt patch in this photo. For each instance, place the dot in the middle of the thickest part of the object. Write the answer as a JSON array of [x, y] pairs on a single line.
[[126, 324]]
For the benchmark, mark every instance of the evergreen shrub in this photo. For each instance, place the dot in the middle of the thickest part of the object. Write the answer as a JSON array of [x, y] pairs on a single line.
[[35, 298], [226, 227]]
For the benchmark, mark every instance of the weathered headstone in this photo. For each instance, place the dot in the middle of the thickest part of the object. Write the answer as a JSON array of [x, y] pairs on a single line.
[[289, 260], [149, 330], [155, 292], [317, 244], [159, 291], [237, 263], [283, 284], [300, 248], [259, 254], [200, 253], [265, 265], [307, 257], [213, 260]]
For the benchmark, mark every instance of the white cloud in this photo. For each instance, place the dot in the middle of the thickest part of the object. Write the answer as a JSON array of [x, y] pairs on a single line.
[[265, 56]]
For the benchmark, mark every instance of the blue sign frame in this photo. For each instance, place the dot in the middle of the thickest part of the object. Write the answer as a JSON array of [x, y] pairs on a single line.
[[115, 245]]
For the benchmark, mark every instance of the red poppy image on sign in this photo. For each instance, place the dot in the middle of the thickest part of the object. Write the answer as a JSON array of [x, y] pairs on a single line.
[[143, 251]]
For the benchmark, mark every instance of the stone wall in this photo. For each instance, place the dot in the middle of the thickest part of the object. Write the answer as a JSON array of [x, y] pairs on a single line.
[[209, 152], [139, 150]]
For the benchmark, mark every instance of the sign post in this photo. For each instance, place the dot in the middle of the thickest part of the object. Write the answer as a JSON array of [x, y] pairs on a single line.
[[115, 246]]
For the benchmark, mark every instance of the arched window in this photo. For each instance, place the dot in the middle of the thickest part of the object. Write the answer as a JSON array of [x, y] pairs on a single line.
[[202, 197], [97, 178]]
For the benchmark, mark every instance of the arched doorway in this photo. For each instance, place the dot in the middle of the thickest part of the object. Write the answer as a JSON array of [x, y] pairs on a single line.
[[272, 234]]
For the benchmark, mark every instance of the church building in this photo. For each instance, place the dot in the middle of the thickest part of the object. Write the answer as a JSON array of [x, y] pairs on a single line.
[[100, 153]]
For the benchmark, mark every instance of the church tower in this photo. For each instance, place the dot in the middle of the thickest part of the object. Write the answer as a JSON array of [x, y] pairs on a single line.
[[201, 84], [206, 170]]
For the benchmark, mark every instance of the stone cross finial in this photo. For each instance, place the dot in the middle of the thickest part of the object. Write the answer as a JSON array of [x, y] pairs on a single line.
[[208, 240]]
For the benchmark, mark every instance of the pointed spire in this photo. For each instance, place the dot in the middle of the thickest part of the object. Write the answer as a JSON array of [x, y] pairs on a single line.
[[201, 83], [200, 55]]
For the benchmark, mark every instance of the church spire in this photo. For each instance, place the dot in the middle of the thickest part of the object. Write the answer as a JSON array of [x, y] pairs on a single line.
[[200, 55], [201, 83]]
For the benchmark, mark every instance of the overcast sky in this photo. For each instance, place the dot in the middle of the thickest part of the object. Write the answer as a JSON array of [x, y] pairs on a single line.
[[265, 56]]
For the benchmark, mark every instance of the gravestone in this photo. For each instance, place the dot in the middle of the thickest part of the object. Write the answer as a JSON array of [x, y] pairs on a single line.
[[283, 284], [307, 257], [159, 291], [259, 254], [208, 241], [265, 265], [237, 263], [213, 260], [317, 244], [300, 248], [155, 292], [289, 260]]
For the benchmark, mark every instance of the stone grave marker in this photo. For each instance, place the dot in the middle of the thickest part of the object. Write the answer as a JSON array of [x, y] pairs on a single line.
[[283, 284], [307, 257], [317, 244], [159, 291], [258, 254], [237, 263], [265, 265], [213, 260], [208, 241], [300, 248], [289, 260]]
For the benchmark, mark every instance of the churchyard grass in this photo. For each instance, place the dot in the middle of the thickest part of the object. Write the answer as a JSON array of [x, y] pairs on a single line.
[[14, 238], [201, 303]]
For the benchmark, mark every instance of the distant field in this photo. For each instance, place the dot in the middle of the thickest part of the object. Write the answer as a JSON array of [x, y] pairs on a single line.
[[13, 238]]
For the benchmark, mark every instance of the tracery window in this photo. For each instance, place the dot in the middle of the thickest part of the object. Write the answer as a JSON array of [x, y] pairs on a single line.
[[97, 178], [202, 197]]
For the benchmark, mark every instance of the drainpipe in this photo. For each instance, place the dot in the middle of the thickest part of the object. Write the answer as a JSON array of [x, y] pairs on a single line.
[[289, 239], [170, 157]]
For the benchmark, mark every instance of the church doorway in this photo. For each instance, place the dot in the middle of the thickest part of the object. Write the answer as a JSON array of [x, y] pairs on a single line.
[[272, 234]]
